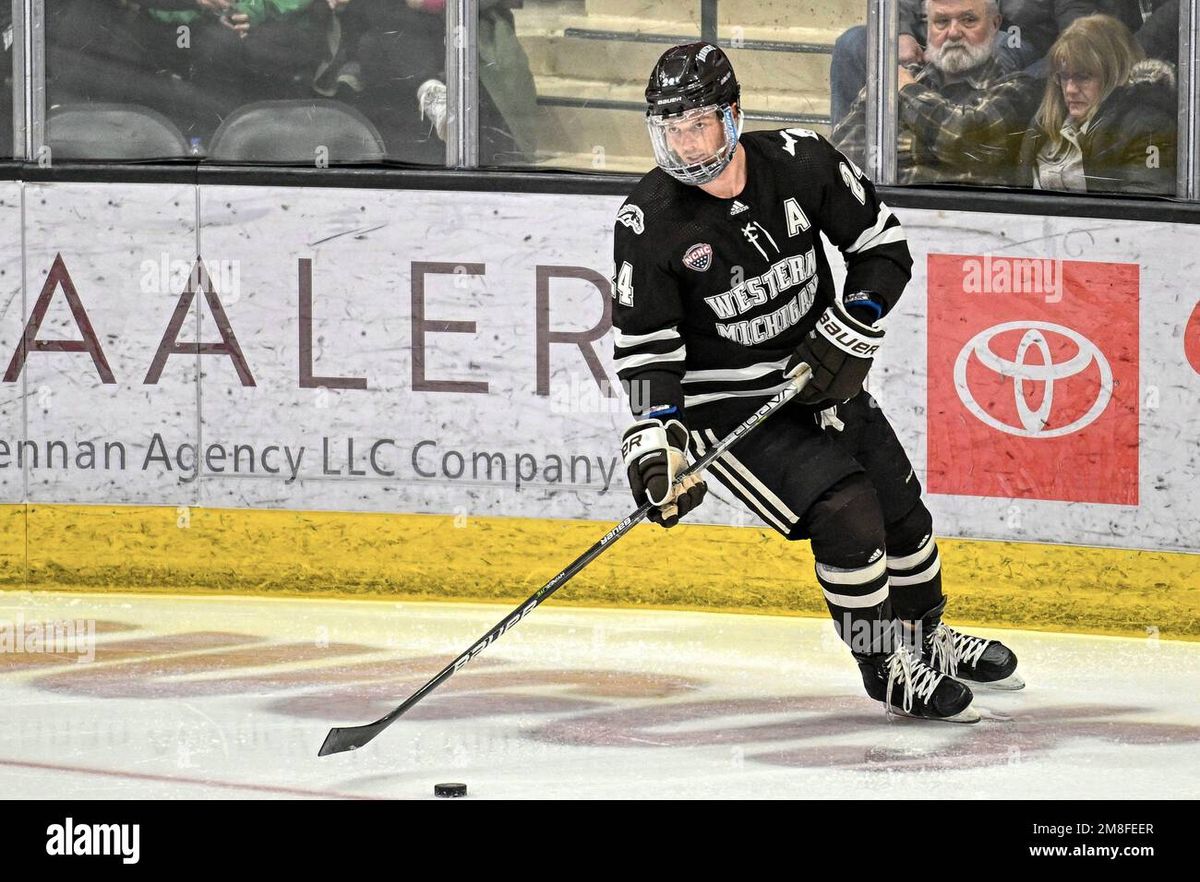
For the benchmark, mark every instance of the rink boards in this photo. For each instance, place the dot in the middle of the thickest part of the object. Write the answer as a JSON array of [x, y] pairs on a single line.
[[445, 359]]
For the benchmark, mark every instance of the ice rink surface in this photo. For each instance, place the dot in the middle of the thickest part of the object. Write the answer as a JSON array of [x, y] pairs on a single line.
[[203, 697]]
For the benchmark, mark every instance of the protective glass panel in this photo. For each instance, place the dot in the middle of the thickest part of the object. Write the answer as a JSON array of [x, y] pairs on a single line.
[[298, 82], [1052, 96]]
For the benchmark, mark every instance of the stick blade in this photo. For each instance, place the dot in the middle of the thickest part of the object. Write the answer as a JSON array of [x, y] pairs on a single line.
[[349, 738]]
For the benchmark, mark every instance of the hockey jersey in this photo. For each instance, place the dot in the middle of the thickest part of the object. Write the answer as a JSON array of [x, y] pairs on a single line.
[[712, 296]]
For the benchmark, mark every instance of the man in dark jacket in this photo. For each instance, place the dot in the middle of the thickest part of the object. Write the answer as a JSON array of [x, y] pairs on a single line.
[[1028, 29], [961, 117], [1159, 33]]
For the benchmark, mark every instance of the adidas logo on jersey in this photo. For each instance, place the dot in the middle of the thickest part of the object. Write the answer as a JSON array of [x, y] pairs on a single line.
[[737, 208]]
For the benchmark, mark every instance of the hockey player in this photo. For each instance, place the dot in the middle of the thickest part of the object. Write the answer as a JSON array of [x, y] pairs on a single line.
[[722, 291]]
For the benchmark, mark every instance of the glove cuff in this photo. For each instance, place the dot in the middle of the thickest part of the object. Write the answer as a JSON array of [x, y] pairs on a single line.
[[642, 438], [848, 333], [677, 434], [864, 306], [653, 434]]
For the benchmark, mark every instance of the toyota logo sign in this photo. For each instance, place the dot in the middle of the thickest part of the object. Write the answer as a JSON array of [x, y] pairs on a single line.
[[1033, 363]]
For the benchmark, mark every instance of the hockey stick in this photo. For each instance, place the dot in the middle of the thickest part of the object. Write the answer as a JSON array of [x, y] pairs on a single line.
[[354, 737]]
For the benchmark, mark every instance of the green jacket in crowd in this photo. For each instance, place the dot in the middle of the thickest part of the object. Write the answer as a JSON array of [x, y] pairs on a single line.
[[258, 10]]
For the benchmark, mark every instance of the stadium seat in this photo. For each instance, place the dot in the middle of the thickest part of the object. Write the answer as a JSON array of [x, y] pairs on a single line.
[[112, 132], [293, 131]]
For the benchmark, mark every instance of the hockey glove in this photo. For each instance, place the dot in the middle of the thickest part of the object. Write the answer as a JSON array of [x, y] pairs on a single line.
[[655, 453], [840, 349]]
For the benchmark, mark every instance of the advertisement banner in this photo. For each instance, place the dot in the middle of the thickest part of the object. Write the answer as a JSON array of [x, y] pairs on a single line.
[[1033, 378], [451, 353]]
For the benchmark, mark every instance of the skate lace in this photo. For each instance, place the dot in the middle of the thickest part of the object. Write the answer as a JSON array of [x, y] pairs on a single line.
[[966, 648], [943, 654], [917, 678], [948, 649]]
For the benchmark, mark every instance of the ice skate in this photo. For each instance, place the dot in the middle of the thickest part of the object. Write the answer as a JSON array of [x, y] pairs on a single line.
[[909, 687], [974, 660]]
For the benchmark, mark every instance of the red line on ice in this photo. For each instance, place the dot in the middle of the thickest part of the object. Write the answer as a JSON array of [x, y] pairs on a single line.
[[174, 779]]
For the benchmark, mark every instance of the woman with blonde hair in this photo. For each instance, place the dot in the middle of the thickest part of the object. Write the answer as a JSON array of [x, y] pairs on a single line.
[[1107, 122]]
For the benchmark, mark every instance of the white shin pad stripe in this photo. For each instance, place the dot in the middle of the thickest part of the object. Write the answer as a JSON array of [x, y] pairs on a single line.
[[851, 602], [861, 576], [920, 578], [915, 559]]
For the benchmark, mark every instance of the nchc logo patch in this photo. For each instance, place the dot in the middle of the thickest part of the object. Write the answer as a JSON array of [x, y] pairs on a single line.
[[1033, 378], [698, 257]]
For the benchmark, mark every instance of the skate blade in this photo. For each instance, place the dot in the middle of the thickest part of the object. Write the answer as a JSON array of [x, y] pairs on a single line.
[[967, 715], [1011, 683]]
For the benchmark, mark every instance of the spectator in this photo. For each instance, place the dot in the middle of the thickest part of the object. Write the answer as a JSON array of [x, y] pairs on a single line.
[[1128, 12], [192, 60], [1029, 28], [1159, 33], [249, 50], [101, 51], [400, 46], [1107, 122], [960, 118]]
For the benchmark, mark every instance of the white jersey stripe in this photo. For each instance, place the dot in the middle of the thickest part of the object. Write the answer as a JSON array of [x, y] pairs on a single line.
[[750, 372], [874, 230], [867, 237], [895, 234], [767, 493], [696, 400], [641, 360], [747, 497], [625, 341]]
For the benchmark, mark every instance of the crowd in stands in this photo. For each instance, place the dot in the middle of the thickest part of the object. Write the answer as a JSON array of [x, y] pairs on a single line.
[[1065, 95], [1075, 95], [198, 61]]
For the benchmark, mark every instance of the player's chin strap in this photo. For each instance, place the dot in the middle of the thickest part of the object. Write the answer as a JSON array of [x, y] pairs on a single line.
[[353, 737]]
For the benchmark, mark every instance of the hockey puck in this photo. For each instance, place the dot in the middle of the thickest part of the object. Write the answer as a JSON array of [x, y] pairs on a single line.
[[450, 790]]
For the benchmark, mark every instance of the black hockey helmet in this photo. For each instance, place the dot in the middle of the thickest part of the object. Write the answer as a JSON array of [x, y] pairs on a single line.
[[688, 77], [690, 82]]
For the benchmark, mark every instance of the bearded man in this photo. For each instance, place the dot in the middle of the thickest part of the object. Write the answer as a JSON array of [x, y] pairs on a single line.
[[961, 119]]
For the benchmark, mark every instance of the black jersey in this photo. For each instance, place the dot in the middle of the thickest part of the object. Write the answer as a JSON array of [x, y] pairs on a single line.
[[711, 296]]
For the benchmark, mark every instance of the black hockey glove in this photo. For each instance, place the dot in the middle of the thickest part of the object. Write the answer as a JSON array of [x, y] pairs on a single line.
[[840, 349], [655, 453]]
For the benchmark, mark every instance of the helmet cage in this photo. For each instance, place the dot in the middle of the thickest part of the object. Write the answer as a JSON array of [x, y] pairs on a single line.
[[708, 168]]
